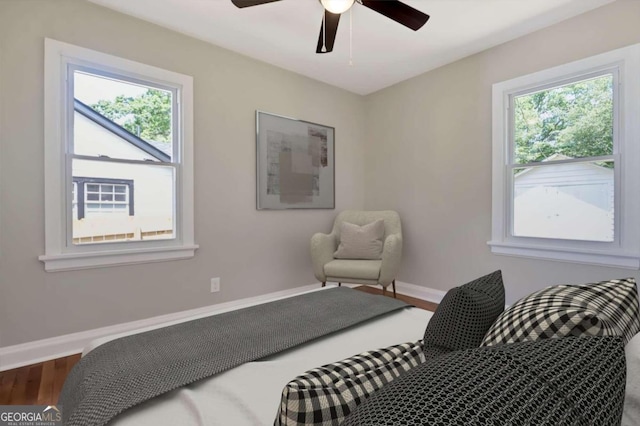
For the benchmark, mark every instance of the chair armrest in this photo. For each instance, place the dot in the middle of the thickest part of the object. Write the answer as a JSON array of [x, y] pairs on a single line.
[[322, 248], [391, 256]]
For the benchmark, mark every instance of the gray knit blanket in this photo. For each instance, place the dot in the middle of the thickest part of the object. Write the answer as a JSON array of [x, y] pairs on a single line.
[[128, 371]]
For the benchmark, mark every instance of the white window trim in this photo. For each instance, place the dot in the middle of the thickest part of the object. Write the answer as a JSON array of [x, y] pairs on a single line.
[[58, 255], [625, 251]]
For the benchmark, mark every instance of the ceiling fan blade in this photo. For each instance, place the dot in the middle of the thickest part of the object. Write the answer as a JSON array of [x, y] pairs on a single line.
[[331, 21], [247, 3], [399, 12]]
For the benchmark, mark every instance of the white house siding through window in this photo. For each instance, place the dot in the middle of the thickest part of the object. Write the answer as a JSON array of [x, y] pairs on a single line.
[[109, 187], [565, 201]]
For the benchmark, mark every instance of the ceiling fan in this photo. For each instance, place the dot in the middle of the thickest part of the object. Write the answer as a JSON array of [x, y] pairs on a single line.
[[392, 9]]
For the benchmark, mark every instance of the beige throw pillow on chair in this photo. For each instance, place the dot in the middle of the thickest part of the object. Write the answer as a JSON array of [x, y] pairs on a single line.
[[360, 242]]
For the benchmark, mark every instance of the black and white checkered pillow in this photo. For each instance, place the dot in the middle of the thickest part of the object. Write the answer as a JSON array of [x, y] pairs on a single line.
[[326, 395], [607, 308]]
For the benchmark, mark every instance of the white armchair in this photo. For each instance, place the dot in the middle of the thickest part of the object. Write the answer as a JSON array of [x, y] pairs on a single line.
[[370, 272]]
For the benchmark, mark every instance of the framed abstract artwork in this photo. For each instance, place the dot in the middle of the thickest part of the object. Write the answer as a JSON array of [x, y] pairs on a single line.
[[295, 164]]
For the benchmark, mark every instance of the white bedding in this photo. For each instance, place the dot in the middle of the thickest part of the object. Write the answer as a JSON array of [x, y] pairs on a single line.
[[250, 394]]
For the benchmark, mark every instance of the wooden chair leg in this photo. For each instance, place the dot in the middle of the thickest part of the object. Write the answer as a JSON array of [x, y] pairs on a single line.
[[339, 284], [324, 283], [394, 288]]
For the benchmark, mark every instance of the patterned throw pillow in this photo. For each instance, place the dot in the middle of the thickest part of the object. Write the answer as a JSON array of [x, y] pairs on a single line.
[[466, 313], [325, 395], [607, 308], [554, 382]]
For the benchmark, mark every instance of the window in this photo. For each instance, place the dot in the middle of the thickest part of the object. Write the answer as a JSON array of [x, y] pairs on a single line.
[[563, 163], [109, 199], [565, 149], [119, 137], [102, 195]]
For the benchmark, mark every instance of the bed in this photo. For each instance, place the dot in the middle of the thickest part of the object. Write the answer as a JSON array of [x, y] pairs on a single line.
[[249, 394]]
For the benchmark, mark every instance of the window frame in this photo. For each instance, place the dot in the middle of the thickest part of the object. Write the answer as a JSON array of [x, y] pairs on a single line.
[[624, 251], [60, 252], [174, 161], [614, 156]]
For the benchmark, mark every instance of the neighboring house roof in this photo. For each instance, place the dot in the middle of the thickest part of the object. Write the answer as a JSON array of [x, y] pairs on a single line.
[[152, 148], [162, 146], [556, 157]]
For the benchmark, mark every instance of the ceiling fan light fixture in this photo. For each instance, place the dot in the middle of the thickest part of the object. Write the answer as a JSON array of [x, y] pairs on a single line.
[[337, 6]]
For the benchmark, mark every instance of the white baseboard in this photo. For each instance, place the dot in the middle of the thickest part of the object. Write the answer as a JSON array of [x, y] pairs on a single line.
[[417, 291], [55, 347]]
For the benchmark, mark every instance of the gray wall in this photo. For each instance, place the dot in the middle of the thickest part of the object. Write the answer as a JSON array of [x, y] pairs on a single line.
[[423, 147], [429, 154], [254, 252]]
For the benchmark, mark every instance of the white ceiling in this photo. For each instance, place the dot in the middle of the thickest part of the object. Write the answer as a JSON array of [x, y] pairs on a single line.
[[285, 33]]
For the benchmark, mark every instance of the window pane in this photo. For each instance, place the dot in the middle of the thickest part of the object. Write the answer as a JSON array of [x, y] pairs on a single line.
[[99, 208], [136, 202], [565, 201], [571, 121], [120, 119]]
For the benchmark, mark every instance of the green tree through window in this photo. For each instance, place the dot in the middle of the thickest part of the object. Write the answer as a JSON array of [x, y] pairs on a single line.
[[148, 115], [575, 120]]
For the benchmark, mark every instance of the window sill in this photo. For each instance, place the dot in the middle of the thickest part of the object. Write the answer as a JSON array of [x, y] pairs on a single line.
[[76, 261], [617, 259]]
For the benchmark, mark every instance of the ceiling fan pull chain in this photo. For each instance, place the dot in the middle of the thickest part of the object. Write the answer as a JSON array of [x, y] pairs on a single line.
[[324, 32], [351, 37]]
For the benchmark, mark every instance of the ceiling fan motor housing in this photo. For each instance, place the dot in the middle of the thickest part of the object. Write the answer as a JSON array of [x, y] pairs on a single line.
[[337, 6]]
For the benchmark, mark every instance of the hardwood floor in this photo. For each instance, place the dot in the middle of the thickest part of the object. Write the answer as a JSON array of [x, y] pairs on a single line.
[[37, 384], [418, 303], [40, 384]]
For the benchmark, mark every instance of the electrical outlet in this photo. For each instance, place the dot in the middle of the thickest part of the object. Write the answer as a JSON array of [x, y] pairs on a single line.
[[215, 285]]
